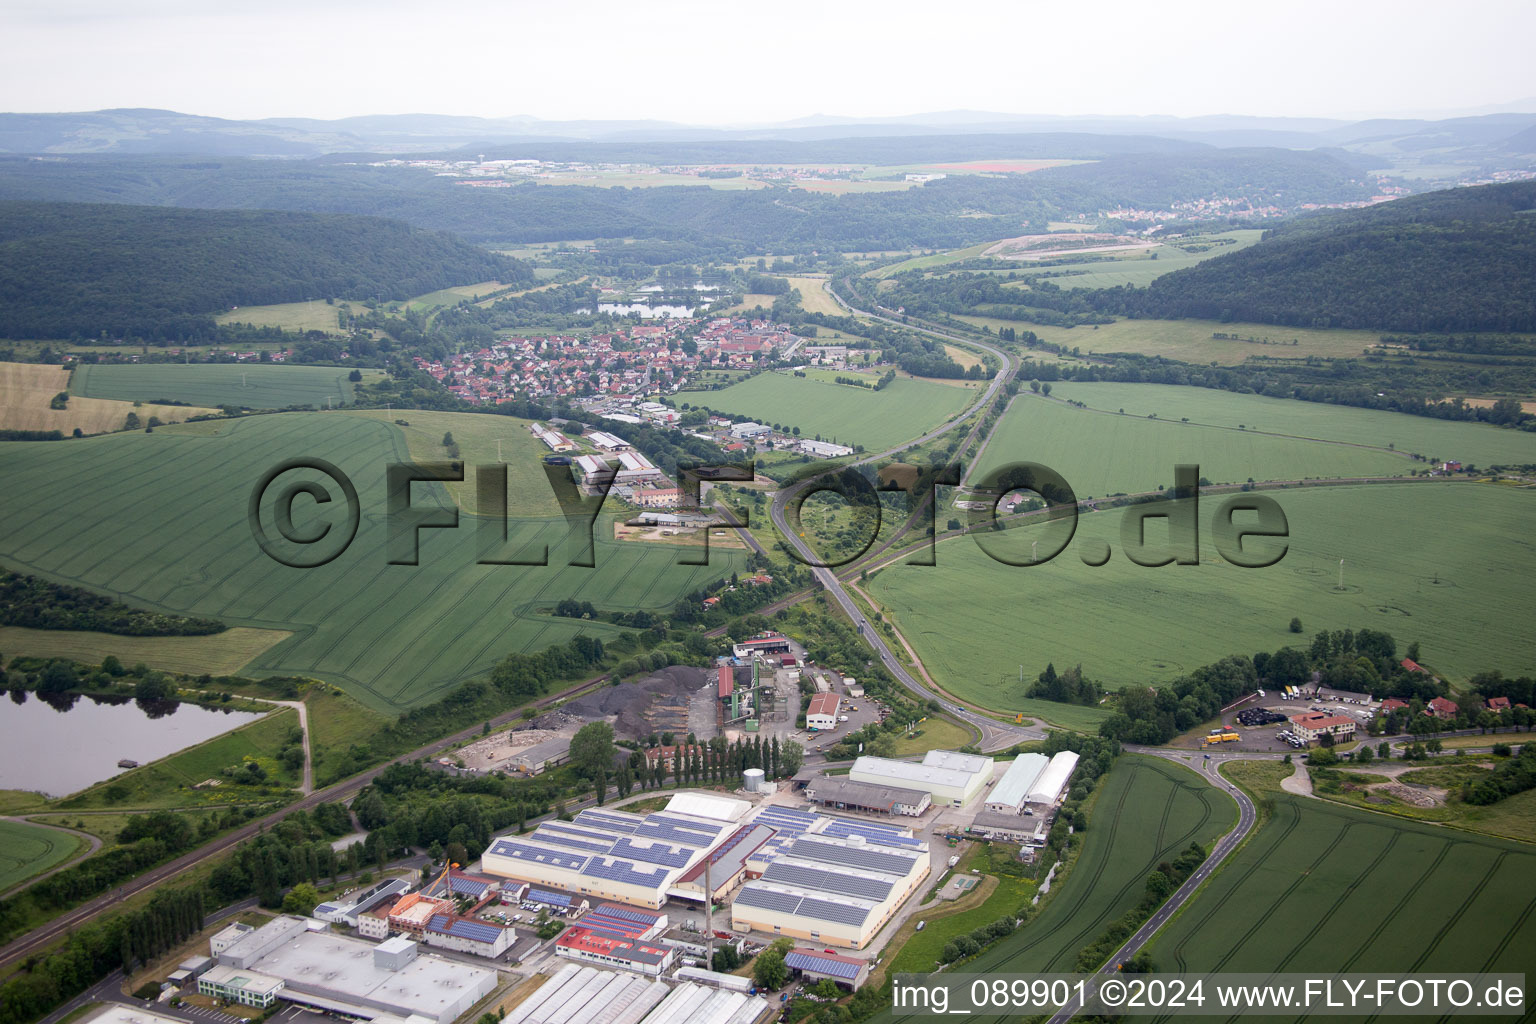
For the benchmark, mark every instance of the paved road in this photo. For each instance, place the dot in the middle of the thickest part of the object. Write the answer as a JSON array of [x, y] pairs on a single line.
[[1246, 819], [995, 735]]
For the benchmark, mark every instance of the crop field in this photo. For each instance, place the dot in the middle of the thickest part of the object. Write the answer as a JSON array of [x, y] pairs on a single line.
[[217, 653], [27, 850], [1142, 268], [1448, 565], [1191, 341], [1481, 444], [1147, 811], [875, 419], [248, 385], [1327, 887], [814, 298], [1103, 452], [452, 296], [479, 437], [26, 389], [175, 537], [315, 315]]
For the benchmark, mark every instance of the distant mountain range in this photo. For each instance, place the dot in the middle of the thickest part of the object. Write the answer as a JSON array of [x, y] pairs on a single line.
[[161, 132]]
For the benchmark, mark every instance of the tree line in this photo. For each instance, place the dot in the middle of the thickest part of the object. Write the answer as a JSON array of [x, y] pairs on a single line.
[[39, 604]]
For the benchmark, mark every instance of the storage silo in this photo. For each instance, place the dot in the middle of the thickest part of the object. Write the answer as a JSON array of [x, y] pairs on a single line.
[[752, 780]]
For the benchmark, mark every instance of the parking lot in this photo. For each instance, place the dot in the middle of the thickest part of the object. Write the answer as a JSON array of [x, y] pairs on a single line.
[[1261, 722]]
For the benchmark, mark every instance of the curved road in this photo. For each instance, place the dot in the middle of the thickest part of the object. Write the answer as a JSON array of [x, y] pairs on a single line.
[[994, 734], [1247, 817]]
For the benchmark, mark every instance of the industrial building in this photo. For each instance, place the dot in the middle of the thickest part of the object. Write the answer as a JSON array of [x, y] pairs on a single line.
[[1314, 725], [952, 779], [1011, 791], [834, 890], [232, 985], [578, 994], [606, 441], [612, 949], [349, 910], [727, 865], [358, 979], [841, 793], [614, 855], [541, 757], [749, 430], [824, 449], [1052, 783], [769, 643], [553, 439], [633, 466], [817, 964], [468, 935], [822, 711]]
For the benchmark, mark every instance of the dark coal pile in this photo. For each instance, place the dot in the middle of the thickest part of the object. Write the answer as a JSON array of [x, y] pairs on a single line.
[[657, 703]]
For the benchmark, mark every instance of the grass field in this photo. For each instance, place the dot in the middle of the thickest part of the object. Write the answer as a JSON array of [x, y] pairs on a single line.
[[1105, 453], [1148, 810], [452, 296], [175, 537], [875, 419], [26, 389], [217, 654], [1141, 268], [1327, 887], [1190, 341], [168, 782], [316, 315], [27, 850], [1479, 444], [937, 734], [815, 298], [248, 385], [1460, 587]]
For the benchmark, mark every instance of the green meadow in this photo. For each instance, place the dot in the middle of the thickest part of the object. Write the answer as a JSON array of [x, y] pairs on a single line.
[[1103, 453], [160, 520], [1446, 564], [27, 850], [1481, 444], [243, 385], [849, 415]]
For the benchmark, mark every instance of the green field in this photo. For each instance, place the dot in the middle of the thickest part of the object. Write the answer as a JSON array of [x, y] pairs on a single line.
[[314, 315], [1147, 811], [1481, 444], [1327, 887], [174, 536], [247, 385], [1446, 564], [849, 415], [1190, 341], [213, 653], [1103, 453], [27, 850], [1140, 268]]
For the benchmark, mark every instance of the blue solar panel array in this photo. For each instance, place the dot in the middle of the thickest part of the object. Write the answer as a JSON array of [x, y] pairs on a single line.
[[467, 886], [842, 882], [624, 913], [886, 835], [538, 854], [464, 928], [672, 830], [753, 895], [624, 871], [611, 821], [545, 896], [821, 965], [657, 854], [783, 820], [856, 858], [571, 842]]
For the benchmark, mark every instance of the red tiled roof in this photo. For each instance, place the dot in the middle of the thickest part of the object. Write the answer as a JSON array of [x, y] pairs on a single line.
[[823, 704], [727, 680]]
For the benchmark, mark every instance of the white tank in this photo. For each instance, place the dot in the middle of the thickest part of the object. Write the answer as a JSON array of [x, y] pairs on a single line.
[[752, 780]]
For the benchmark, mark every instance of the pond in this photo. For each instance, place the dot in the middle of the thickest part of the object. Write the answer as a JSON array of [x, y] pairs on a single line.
[[63, 743]]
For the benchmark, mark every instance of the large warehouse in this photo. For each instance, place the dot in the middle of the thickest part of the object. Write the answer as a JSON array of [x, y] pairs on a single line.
[[1008, 796], [834, 890], [840, 793], [951, 779], [1047, 789], [578, 994], [614, 855]]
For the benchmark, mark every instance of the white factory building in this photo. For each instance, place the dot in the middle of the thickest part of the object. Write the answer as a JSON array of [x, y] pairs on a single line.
[[342, 975], [606, 441], [614, 855], [578, 994], [1008, 796], [835, 890], [950, 778], [823, 449], [1052, 783]]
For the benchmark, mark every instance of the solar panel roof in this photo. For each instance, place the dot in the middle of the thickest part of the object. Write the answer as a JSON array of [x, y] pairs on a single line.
[[821, 965], [850, 856], [841, 882]]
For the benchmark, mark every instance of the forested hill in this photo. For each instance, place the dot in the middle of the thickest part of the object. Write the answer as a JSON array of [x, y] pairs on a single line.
[[1458, 260], [70, 269]]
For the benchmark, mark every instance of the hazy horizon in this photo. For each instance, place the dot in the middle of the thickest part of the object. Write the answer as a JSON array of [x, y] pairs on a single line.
[[689, 62]]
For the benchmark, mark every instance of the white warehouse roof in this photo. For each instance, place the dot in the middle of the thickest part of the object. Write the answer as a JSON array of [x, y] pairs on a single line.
[[1054, 779], [634, 460], [701, 805], [971, 764], [1018, 780]]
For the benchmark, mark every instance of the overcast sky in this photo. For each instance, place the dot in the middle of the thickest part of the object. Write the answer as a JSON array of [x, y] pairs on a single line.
[[726, 62]]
